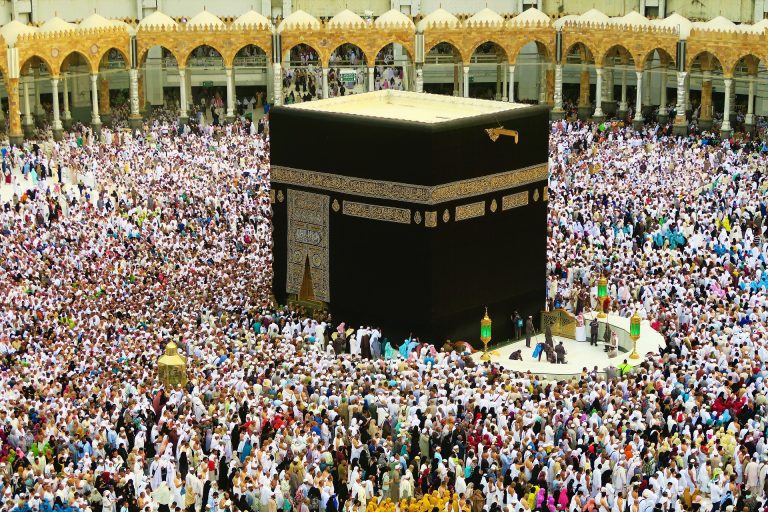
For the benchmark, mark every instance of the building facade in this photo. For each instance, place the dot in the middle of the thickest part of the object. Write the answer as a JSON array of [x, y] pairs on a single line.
[[597, 61]]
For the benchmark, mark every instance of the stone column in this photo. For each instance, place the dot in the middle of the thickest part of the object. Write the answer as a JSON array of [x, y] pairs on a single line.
[[609, 103], [638, 121], [134, 120], [557, 111], [230, 95], [511, 83], [277, 84], [732, 112], [38, 113], [325, 82], [749, 120], [663, 115], [456, 81], [29, 123], [584, 107], [705, 110], [66, 115], [57, 126], [504, 82], [183, 117], [142, 96], [466, 82], [95, 119], [371, 78], [189, 88], [550, 85], [623, 107], [500, 81], [598, 115], [419, 82], [725, 129], [681, 122], [15, 134], [105, 109]]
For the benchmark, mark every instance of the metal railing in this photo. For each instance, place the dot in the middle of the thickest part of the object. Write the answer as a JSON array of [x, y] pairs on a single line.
[[480, 58]]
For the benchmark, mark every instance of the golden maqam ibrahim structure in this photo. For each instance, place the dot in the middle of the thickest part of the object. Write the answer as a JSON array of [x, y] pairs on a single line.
[[172, 367], [591, 55]]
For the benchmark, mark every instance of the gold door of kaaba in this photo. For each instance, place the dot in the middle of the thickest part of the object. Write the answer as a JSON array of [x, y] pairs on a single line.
[[563, 323], [308, 237]]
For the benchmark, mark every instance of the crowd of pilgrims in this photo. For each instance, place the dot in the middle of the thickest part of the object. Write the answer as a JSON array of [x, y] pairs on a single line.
[[115, 246]]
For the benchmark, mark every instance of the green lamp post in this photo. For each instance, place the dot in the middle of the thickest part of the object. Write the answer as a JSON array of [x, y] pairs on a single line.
[[602, 293], [485, 335], [634, 334]]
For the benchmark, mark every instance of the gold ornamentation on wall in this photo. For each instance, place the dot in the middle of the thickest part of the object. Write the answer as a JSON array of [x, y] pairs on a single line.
[[407, 192], [470, 211], [376, 212], [308, 238], [335, 205], [546, 193], [446, 216], [417, 218], [430, 219], [494, 206], [514, 200], [535, 195], [280, 196]]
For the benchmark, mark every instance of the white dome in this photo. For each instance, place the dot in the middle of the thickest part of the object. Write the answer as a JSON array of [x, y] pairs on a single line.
[[676, 21], [95, 21], [252, 18], [12, 30], [205, 19], [56, 24], [346, 18], [594, 16], [439, 17], [720, 24], [159, 20], [634, 19], [531, 16], [486, 16], [299, 19], [393, 17], [757, 28]]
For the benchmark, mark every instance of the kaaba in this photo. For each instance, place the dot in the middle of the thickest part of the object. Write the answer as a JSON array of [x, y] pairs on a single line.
[[412, 212]]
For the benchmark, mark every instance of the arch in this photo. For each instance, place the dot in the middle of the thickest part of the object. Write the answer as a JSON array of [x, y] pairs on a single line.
[[405, 42], [143, 56], [105, 53], [203, 45], [401, 69], [661, 52], [303, 45], [349, 45], [617, 50], [236, 52], [498, 45], [444, 44], [28, 60], [752, 62], [402, 46], [541, 48], [708, 56], [66, 61], [587, 53]]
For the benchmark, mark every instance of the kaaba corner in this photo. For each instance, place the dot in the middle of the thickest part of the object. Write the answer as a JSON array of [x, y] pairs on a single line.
[[411, 211]]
